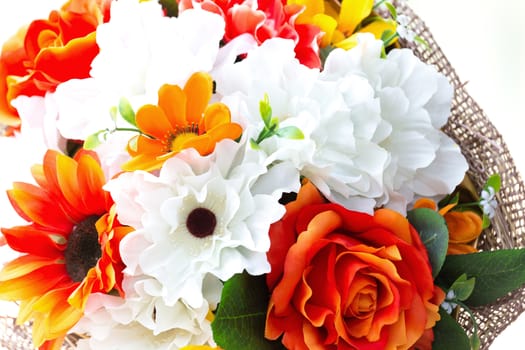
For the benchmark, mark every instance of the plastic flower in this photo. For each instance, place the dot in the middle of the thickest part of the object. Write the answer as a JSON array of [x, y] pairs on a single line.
[[263, 20], [380, 134], [464, 227], [183, 119], [201, 215], [141, 321], [345, 279], [70, 248], [488, 202], [340, 26], [33, 61]]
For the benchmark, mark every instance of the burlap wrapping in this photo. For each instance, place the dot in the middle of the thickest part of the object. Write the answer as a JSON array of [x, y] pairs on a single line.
[[486, 152]]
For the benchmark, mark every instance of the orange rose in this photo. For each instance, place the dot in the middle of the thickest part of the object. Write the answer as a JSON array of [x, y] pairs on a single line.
[[347, 280], [49, 52]]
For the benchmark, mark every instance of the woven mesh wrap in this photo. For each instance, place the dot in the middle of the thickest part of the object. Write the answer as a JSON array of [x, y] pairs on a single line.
[[486, 152]]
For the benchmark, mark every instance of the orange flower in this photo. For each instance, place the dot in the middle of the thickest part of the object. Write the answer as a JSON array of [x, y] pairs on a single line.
[[69, 249], [49, 52], [463, 226], [346, 280], [183, 119]]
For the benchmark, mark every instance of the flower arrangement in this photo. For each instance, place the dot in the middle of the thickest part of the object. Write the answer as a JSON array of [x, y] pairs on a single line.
[[241, 175]]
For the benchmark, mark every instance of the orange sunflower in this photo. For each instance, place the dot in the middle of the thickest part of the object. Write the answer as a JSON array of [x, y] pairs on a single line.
[[182, 119], [70, 248]]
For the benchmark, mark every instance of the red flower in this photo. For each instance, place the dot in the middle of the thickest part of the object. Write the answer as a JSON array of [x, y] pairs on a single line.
[[49, 52], [347, 280], [270, 19], [70, 248]]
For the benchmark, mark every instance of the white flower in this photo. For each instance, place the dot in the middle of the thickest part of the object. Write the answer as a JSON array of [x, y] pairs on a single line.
[[403, 30], [142, 321], [140, 50], [379, 138], [200, 215], [447, 304], [488, 202], [272, 70]]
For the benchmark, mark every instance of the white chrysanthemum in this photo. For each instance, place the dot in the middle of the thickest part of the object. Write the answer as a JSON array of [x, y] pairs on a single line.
[[200, 215], [272, 70], [140, 50], [142, 321], [379, 138]]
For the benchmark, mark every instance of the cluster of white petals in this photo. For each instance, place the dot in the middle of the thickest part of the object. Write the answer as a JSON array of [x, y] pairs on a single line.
[[142, 321], [380, 137], [199, 216]]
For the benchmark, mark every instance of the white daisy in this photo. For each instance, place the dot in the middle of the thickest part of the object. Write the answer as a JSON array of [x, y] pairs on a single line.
[[200, 215]]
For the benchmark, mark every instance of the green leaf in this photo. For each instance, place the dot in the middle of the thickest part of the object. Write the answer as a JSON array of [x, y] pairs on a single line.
[[448, 334], [433, 231], [241, 317], [463, 287], [485, 222], [113, 113], [391, 9], [291, 132], [497, 273], [254, 144], [94, 140], [171, 7], [266, 111], [126, 111], [493, 181]]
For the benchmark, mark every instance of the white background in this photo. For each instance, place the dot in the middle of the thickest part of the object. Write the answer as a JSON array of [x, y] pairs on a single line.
[[483, 39]]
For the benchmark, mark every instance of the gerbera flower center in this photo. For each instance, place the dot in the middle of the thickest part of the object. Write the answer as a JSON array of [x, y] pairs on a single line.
[[176, 139], [201, 222], [83, 249]]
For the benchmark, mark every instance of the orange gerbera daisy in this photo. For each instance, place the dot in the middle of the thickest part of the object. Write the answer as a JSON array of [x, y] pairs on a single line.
[[69, 248], [183, 119]]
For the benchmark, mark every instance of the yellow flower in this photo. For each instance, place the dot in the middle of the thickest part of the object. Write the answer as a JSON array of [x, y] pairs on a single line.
[[340, 24]]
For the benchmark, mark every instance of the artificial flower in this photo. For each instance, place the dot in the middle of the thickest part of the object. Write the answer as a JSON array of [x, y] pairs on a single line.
[[142, 321], [183, 119], [488, 201], [200, 215], [348, 279], [380, 137], [263, 20], [340, 25], [70, 248], [33, 61], [464, 227]]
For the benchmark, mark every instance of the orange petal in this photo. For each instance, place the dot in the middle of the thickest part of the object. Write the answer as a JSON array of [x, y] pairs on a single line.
[[460, 248], [152, 121], [425, 203], [463, 226], [395, 222], [230, 131], [35, 283], [172, 100], [91, 178], [198, 90], [216, 114]]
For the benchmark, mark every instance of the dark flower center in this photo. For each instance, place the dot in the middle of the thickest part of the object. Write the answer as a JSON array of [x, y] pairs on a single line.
[[83, 249], [201, 222]]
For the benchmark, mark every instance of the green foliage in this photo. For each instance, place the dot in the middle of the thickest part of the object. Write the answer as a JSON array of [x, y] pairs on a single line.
[[241, 317], [433, 231], [496, 272], [171, 7], [94, 140], [493, 181], [271, 126], [463, 287], [448, 334], [126, 111]]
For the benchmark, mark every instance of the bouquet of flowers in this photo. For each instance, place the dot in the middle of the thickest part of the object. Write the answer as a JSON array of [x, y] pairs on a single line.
[[241, 174]]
